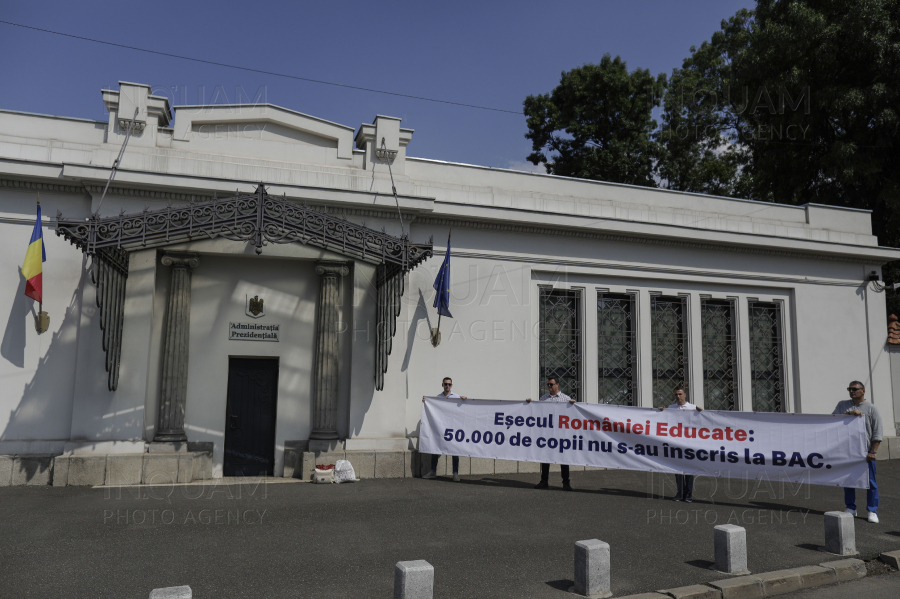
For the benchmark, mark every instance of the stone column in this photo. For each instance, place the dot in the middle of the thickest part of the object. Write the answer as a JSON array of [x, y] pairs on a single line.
[[326, 368], [173, 386]]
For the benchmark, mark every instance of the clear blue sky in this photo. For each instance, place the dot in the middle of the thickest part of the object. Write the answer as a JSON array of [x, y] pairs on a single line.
[[490, 53]]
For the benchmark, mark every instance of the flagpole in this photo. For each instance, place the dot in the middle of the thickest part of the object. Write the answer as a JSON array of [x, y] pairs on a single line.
[[436, 332]]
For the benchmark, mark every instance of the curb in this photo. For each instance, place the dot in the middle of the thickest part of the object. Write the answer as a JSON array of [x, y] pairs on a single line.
[[770, 584]]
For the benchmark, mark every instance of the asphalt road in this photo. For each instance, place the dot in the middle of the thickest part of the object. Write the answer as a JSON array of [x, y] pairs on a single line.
[[488, 536]]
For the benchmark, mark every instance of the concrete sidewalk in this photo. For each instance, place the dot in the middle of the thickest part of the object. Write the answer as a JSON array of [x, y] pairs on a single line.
[[487, 537]]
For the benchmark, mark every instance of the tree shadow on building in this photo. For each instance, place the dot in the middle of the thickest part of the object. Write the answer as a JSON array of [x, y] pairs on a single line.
[[43, 413]]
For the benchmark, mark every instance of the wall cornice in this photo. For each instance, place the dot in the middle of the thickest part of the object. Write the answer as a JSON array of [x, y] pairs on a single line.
[[388, 213], [149, 193], [455, 222], [592, 265], [41, 186], [581, 234]]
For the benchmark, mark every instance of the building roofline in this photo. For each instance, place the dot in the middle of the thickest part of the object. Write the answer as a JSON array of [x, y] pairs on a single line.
[[53, 116], [636, 187], [303, 114]]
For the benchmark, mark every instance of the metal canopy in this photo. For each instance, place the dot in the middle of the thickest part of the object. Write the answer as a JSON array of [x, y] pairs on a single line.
[[257, 218]]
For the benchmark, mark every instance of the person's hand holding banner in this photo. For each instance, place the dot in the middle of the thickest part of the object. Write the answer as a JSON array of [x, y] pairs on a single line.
[[810, 448]]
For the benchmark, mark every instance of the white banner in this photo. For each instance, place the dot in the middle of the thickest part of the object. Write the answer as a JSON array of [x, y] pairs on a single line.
[[807, 448]]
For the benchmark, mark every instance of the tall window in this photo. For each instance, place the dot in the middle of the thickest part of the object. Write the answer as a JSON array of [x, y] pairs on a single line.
[[616, 348], [670, 357], [719, 372], [560, 340], [766, 357]]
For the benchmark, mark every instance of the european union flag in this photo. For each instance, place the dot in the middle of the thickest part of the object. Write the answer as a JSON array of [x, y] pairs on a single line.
[[442, 286]]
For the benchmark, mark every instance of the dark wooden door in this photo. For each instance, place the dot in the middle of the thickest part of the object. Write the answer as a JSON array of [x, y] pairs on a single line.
[[250, 416]]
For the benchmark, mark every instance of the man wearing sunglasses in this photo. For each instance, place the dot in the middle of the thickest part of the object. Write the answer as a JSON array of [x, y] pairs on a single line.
[[447, 385], [858, 406], [554, 394]]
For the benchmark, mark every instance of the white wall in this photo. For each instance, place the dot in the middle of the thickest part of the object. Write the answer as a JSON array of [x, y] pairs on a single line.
[[37, 371], [490, 346], [218, 289]]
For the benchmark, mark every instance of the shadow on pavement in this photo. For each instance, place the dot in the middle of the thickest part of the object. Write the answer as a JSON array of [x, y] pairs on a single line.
[[561, 585], [701, 563], [612, 492]]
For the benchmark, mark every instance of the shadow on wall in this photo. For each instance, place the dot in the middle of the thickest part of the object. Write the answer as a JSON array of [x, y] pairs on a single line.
[[41, 401], [12, 347], [420, 314]]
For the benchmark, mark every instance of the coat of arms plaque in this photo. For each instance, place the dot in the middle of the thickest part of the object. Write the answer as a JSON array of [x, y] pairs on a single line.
[[256, 306]]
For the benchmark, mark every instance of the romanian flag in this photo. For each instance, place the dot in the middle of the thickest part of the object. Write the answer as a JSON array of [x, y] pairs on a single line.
[[34, 262]]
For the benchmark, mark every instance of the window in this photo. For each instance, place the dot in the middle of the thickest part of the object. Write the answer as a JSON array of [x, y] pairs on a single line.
[[719, 372], [616, 348], [670, 357], [766, 357], [560, 340]]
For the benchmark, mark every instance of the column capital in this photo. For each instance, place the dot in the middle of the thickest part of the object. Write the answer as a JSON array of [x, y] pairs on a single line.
[[181, 259], [332, 267]]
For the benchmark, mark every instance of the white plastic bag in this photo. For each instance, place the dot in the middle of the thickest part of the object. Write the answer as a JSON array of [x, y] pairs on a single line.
[[343, 472]]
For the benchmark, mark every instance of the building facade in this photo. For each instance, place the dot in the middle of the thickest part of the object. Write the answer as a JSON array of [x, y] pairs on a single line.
[[251, 285]]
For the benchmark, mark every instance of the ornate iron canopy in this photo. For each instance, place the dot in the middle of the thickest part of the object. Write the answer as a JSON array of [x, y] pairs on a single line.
[[257, 218]]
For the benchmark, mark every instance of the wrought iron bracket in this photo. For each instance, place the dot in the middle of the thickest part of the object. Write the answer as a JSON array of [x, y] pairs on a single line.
[[256, 218]]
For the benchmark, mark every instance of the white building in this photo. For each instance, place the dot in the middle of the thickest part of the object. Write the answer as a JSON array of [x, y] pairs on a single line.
[[624, 291]]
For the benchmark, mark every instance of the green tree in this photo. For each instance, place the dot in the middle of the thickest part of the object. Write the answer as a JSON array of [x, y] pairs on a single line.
[[796, 101], [700, 149], [597, 124], [812, 92]]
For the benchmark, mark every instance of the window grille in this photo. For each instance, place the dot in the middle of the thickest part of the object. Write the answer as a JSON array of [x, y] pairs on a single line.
[[560, 340], [717, 324], [616, 348], [766, 357], [670, 357]]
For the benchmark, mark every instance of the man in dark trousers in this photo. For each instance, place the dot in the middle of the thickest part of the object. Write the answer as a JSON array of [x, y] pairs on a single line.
[[554, 394], [447, 385], [684, 482]]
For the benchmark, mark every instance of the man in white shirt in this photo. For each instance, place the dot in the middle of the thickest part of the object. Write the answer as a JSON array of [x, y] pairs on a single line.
[[554, 394], [447, 385], [685, 482]]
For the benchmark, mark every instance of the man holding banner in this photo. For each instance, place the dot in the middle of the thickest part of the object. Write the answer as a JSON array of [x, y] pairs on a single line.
[[684, 482], [799, 448], [858, 406], [447, 385], [557, 396]]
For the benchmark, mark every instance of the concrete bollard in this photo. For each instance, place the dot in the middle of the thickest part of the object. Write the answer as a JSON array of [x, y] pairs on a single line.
[[591, 569], [414, 580], [183, 592], [731, 549], [840, 534]]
